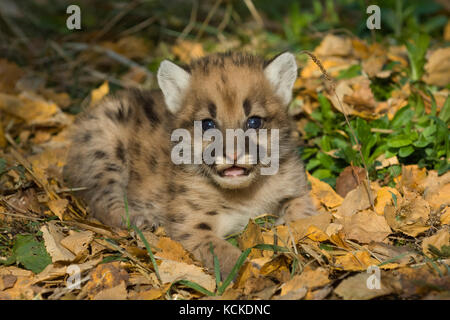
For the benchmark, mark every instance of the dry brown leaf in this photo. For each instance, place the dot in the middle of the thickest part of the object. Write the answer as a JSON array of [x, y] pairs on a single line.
[[251, 236], [324, 193], [384, 197], [10, 73], [173, 250], [413, 178], [439, 239], [437, 68], [354, 97], [333, 45], [171, 271], [355, 261], [409, 218], [366, 226], [349, 179], [309, 278], [277, 268], [300, 227], [356, 288], [437, 190], [58, 207], [150, 294], [316, 234], [445, 216], [78, 242], [104, 276], [356, 200], [52, 238], [118, 292], [187, 50], [99, 93]]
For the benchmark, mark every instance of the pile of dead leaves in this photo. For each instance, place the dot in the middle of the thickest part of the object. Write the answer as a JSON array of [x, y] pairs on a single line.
[[50, 250]]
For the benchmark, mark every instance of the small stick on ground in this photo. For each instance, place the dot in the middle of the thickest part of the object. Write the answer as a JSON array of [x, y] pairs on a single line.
[[352, 131]]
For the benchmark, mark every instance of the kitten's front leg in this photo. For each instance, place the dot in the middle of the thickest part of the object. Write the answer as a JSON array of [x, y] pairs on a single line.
[[297, 208], [197, 238]]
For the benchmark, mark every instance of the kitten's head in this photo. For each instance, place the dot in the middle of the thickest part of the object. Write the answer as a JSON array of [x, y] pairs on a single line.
[[233, 91]]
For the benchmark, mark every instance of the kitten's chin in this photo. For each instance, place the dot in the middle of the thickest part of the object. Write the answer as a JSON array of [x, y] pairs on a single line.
[[235, 182]]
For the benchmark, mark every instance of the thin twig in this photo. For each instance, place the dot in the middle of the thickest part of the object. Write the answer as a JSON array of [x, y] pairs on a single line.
[[254, 12], [352, 131], [208, 18], [192, 21]]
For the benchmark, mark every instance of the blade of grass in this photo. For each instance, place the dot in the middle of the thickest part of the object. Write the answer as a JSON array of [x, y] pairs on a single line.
[[194, 286], [216, 265], [149, 250], [240, 261]]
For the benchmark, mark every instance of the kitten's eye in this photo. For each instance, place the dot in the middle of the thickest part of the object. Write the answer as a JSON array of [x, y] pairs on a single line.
[[254, 123], [208, 124]]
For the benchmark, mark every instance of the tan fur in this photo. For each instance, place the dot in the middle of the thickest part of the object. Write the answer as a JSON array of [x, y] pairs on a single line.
[[115, 152]]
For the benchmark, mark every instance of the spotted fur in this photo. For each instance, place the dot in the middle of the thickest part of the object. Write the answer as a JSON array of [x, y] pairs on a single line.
[[122, 146]]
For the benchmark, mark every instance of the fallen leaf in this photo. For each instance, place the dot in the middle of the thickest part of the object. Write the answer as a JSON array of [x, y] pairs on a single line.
[[349, 179], [333, 45], [356, 288], [52, 237], [437, 67], [251, 236], [78, 242], [105, 276], [171, 271], [437, 190], [316, 234], [150, 294], [409, 218], [385, 197], [445, 216], [439, 239], [309, 278], [300, 227], [118, 292], [355, 261], [356, 200], [99, 93], [366, 226], [58, 207], [187, 50], [173, 250], [324, 193]]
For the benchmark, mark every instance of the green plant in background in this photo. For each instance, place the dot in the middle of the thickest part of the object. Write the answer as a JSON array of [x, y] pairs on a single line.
[[29, 252], [412, 136]]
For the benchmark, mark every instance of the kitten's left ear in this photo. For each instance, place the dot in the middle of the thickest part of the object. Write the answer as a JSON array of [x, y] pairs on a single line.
[[282, 73]]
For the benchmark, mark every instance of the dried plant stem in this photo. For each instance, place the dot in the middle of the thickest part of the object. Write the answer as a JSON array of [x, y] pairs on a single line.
[[352, 131]]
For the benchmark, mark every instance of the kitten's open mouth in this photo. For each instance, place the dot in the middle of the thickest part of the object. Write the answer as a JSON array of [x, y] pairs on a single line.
[[234, 171]]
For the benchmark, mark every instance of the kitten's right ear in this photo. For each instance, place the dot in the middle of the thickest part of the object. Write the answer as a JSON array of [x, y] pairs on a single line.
[[173, 81]]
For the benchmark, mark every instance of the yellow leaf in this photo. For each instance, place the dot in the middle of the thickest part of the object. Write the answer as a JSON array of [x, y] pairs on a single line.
[[171, 271], [445, 217], [357, 261], [309, 278], [316, 234], [188, 50], [439, 239], [324, 193], [409, 218], [251, 237], [300, 226], [58, 207], [173, 250], [99, 93], [366, 226], [384, 197]]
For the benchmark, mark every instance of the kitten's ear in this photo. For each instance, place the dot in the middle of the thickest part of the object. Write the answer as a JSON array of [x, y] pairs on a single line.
[[173, 81], [282, 73]]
